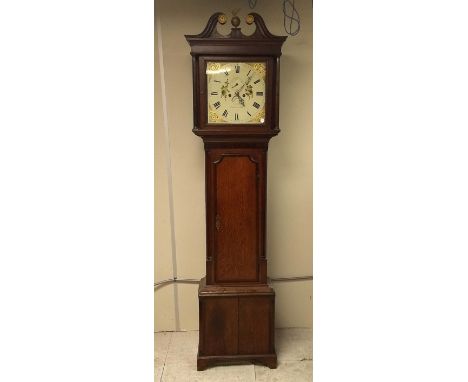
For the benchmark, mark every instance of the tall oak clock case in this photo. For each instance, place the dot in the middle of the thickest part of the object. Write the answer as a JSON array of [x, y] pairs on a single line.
[[236, 103]]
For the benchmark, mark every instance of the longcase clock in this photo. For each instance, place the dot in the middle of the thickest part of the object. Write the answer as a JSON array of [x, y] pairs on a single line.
[[236, 103]]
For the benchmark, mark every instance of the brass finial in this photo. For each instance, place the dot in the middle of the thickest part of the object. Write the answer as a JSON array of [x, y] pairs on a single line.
[[222, 18], [249, 19]]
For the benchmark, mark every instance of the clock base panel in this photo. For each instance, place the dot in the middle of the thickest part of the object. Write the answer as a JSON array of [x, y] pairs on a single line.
[[236, 325]]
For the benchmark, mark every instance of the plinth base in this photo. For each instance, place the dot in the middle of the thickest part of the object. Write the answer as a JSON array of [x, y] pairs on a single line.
[[268, 360], [236, 325]]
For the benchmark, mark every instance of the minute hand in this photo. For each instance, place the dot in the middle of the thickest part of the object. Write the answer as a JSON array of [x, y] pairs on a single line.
[[238, 90]]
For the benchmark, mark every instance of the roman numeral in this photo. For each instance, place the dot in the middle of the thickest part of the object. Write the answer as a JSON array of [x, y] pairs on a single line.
[[255, 104], [248, 73], [249, 114], [217, 81], [256, 82], [226, 72], [216, 93], [217, 104], [236, 117], [225, 113], [258, 93], [237, 68]]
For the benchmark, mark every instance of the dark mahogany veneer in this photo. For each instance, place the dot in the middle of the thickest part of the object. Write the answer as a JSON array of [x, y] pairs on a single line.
[[236, 304]]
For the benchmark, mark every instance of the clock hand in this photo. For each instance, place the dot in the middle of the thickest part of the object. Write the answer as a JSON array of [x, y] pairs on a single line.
[[246, 83], [238, 90], [237, 95]]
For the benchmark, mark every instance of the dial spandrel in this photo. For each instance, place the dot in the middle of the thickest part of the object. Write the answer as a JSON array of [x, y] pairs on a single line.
[[236, 92]]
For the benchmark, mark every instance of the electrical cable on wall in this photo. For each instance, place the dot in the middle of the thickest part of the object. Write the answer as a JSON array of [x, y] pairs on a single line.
[[291, 20], [169, 172], [292, 15], [252, 3], [196, 281]]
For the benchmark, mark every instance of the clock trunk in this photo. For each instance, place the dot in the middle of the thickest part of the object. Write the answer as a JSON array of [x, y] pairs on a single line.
[[235, 197]]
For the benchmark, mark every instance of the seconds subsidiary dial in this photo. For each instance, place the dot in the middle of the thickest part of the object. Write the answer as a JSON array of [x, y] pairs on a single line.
[[236, 92]]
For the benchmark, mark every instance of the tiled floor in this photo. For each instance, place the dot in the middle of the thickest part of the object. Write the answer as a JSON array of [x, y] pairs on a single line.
[[175, 359]]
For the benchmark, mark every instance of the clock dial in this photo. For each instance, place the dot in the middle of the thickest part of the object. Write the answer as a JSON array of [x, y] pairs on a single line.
[[236, 92]]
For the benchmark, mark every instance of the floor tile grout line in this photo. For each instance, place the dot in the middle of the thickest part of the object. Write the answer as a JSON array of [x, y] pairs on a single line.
[[165, 358]]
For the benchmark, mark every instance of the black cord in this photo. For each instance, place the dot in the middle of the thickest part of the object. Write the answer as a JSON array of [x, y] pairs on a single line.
[[252, 3], [292, 15], [289, 13]]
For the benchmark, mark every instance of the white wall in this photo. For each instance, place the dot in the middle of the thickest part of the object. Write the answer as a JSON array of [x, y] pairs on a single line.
[[181, 156]]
